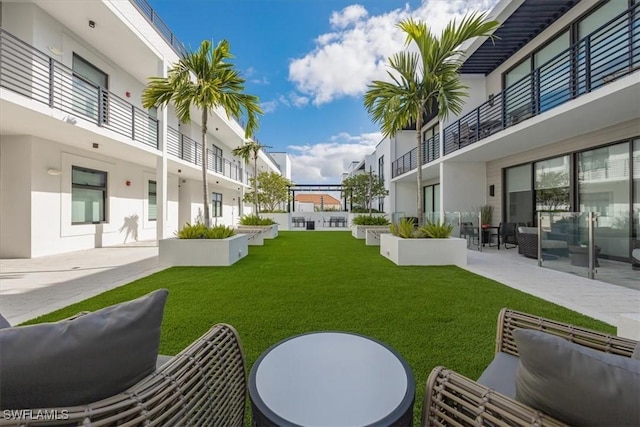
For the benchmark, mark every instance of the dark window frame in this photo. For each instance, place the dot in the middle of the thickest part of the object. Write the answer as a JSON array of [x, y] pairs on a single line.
[[216, 205], [155, 194], [91, 187]]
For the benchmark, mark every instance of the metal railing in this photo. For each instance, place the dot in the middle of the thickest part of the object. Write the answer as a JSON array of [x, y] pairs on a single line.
[[188, 149], [163, 29], [409, 161], [605, 55], [30, 73]]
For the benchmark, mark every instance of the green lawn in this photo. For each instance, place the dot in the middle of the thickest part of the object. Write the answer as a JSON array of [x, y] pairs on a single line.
[[309, 281]]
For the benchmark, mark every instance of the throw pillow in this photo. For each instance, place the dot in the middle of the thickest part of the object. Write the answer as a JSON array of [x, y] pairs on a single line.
[[576, 384], [79, 361], [4, 323]]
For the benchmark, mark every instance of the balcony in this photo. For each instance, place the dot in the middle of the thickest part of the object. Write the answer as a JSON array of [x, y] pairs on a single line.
[[602, 57], [188, 149], [408, 162], [163, 29], [30, 73]]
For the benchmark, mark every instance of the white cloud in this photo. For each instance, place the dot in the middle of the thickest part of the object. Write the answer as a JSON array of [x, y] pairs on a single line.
[[262, 81], [345, 60], [291, 100], [325, 162]]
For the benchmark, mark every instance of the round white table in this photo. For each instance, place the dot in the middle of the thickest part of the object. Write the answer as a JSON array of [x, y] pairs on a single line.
[[331, 379]]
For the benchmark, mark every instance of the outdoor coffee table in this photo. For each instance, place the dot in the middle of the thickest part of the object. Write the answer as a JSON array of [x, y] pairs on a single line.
[[331, 379]]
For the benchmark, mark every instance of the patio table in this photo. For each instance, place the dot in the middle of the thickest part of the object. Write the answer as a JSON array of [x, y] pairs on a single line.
[[331, 379]]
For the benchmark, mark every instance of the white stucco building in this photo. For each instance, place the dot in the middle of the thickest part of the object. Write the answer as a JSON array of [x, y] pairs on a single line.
[[553, 106], [82, 164]]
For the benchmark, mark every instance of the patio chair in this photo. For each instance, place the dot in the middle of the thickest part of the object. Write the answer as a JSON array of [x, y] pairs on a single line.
[[508, 235], [594, 371], [205, 384], [470, 232]]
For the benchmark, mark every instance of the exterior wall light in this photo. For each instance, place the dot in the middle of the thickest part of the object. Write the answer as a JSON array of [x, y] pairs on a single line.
[[54, 172]]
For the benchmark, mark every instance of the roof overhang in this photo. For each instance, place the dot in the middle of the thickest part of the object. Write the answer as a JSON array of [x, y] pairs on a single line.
[[521, 21]]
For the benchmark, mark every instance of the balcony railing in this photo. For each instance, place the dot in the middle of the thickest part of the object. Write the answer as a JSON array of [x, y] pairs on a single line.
[[29, 72], [163, 29], [610, 52], [430, 152], [190, 150]]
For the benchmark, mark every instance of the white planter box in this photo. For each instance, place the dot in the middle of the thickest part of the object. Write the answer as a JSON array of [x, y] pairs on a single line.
[[360, 231], [451, 251], [282, 219], [203, 252], [268, 231], [373, 239]]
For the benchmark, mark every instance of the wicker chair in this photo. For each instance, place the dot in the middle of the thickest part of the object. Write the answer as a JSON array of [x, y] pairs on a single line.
[[454, 400], [205, 384]]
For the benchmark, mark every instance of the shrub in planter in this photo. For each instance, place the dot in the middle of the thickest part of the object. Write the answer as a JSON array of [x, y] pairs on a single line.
[[436, 230], [405, 229], [370, 220], [255, 220], [200, 231]]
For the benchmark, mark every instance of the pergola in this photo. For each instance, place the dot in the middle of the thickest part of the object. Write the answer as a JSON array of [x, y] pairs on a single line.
[[313, 188]]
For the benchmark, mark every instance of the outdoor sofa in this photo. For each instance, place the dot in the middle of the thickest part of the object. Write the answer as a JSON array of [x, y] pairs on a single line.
[[544, 373], [203, 385], [552, 243]]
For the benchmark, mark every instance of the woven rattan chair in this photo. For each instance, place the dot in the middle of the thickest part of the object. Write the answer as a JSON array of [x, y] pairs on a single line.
[[204, 385], [454, 400]]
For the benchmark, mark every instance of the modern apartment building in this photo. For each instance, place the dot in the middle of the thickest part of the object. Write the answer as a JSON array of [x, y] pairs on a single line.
[[551, 124], [82, 164]]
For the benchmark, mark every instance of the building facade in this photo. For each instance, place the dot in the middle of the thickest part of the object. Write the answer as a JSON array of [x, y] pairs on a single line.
[[551, 124], [82, 163]]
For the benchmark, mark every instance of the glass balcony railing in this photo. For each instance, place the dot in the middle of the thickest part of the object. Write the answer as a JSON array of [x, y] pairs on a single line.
[[30, 73], [607, 54], [188, 149]]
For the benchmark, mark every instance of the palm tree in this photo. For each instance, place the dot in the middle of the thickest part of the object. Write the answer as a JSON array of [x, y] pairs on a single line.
[[204, 80], [424, 79], [248, 151]]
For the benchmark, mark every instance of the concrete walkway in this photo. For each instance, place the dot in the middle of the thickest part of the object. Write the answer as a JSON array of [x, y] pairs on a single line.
[[33, 287]]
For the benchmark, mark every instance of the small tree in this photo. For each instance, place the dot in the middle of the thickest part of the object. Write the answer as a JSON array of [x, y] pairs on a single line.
[[360, 190], [250, 151], [273, 189]]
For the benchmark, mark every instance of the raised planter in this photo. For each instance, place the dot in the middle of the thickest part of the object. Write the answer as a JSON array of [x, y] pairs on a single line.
[[360, 231], [451, 251], [283, 219], [203, 252], [373, 236], [268, 231]]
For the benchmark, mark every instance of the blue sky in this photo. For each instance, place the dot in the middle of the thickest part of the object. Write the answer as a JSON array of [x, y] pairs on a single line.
[[309, 62]]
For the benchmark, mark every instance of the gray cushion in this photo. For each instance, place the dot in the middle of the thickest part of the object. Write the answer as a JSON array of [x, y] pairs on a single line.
[[4, 323], [500, 375], [79, 361], [576, 384]]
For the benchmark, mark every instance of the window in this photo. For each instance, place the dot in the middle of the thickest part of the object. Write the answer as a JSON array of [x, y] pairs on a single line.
[[430, 139], [381, 168], [216, 205], [217, 158], [90, 84], [552, 185], [88, 195], [432, 202], [519, 195], [152, 198]]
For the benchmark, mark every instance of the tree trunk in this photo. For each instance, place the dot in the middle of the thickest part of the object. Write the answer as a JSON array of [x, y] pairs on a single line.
[[419, 171], [205, 181], [255, 182]]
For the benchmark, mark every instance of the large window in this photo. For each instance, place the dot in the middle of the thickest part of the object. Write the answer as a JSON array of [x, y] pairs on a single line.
[[430, 139], [152, 198], [217, 158], [88, 195], [519, 195], [90, 84], [216, 205], [432, 202], [381, 176], [552, 185]]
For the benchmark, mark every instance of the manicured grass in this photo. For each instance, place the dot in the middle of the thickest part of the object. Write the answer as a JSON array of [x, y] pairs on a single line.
[[309, 281]]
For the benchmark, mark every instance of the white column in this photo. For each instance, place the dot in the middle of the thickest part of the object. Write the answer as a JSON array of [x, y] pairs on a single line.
[[161, 166]]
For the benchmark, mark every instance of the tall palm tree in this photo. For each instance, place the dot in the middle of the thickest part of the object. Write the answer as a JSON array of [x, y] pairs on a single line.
[[249, 151], [424, 79], [204, 80]]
